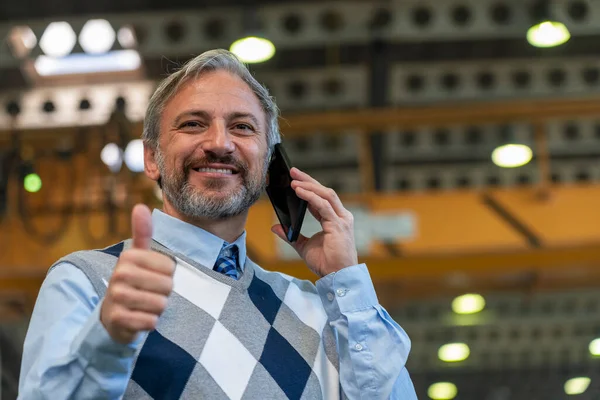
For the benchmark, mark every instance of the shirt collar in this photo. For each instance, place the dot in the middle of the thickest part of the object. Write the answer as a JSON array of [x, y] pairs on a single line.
[[193, 242]]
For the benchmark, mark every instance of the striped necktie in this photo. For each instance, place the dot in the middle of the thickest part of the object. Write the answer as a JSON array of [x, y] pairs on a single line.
[[228, 260]]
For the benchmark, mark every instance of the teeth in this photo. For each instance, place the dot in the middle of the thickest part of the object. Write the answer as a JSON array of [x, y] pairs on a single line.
[[221, 171]]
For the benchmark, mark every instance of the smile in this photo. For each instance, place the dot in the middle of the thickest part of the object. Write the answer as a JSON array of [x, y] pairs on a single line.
[[215, 170]]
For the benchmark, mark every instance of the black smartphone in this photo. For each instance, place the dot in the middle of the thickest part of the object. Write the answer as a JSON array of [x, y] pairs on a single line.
[[290, 209]]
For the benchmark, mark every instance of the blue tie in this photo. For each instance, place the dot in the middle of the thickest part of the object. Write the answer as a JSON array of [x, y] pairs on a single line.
[[227, 260]]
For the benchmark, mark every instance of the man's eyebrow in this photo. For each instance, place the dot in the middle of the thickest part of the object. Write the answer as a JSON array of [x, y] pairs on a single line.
[[206, 115], [192, 113], [238, 115]]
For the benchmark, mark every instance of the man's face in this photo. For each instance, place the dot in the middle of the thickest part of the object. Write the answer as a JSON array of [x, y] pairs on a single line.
[[212, 148]]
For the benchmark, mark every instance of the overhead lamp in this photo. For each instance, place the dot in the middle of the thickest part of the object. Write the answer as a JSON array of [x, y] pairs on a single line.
[[58, 39], [32, 182], [595, 347], [454, 352], [134, 155], [21, 40], [126, 37], [512, 152], [577, 385], [546, 31], [113, 61], [254, 47], [442, 391], [469, 303], [512, 155], [97, 36], [112, 156]]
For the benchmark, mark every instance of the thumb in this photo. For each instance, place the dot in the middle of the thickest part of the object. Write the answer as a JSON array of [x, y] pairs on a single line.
[[297, 245], [278, 230], [141, 227]]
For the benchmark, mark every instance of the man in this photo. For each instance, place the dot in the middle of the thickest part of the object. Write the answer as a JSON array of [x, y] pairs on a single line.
[[179, 311]]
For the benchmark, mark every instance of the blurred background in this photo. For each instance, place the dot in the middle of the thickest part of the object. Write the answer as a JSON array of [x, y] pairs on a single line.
[[464, 135]]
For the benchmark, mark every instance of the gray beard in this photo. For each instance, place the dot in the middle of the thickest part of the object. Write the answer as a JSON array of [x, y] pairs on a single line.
[[191, 202]]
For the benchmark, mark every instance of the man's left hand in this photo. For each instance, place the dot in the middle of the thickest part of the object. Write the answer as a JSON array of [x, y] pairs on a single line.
[[333, 248]]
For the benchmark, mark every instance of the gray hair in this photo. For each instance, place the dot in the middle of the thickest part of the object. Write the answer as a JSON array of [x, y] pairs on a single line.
[[209, 61]]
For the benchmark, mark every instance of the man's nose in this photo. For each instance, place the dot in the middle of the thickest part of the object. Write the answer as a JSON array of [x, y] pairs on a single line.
[[218, 140]]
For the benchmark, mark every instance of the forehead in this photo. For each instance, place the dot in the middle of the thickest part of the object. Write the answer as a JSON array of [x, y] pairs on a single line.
[[217, 92]]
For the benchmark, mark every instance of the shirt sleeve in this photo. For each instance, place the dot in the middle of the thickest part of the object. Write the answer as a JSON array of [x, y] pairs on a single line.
[[68, 354], [373, 348]]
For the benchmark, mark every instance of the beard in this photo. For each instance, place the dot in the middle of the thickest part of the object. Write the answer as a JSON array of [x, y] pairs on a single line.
[[215, 203]]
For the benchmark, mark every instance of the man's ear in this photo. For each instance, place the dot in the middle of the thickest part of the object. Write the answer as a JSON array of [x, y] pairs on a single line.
[[150, 165]]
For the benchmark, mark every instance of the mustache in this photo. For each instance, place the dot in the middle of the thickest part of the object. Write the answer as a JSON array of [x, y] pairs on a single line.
[[230, 160]]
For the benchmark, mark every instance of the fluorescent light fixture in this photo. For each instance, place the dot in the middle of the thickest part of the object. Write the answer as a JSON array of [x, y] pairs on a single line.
[[253, 49], [548, 34], [114, 61], [97, 36], [134, 155], [442, 391], [58, 39], [112, 156], [454, 352], [577, 385], [470, 303], [512, 155]]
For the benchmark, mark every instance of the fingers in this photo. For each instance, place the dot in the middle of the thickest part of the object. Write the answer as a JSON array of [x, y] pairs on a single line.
[[319, 204], [139, 300], [298, 245], [131, 322], [143, 279], [306, 182], [153, 261], [141, 226]]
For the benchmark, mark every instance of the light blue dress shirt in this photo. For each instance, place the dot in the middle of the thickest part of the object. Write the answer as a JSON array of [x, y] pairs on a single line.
[[69, 355]]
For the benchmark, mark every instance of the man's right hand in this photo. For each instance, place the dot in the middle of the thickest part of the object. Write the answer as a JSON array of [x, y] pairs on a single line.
[[140, 284]]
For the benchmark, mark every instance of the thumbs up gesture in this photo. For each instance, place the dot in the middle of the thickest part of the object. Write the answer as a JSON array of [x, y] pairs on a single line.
[[140, 284]]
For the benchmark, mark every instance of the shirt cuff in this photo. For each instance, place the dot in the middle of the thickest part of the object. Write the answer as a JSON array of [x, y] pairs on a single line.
[[347, 290], [95, 346]]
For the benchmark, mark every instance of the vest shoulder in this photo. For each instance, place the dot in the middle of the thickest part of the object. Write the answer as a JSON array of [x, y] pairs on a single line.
[[303, 284]]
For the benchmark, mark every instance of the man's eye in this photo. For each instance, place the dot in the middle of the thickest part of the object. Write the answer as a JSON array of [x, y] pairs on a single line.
[[244, 127], [190, 124]]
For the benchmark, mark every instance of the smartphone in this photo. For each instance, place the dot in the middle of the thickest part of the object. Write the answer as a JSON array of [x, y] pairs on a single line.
[[290, 209]]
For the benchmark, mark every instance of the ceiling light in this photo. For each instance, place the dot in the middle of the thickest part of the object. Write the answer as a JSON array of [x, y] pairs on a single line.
[[442, 391], [454, 352], [113, 61], [546, 30], [21, 40], [97, 36], [577, 385], [253, 49], [58, 39], [134, 155], [32, 183], [126, 37], [468, 304], [112, 156], [512, 155], [548, 34], [595, 347]]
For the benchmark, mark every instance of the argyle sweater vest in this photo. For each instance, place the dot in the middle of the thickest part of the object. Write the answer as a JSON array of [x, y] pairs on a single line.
[[264, 336]]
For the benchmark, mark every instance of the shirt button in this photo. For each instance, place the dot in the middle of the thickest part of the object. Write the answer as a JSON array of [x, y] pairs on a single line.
[[330, 296], [341, 292], [358, 347]]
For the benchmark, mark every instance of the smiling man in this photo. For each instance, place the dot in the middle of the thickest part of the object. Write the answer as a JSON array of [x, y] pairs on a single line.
[[179, 310]]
